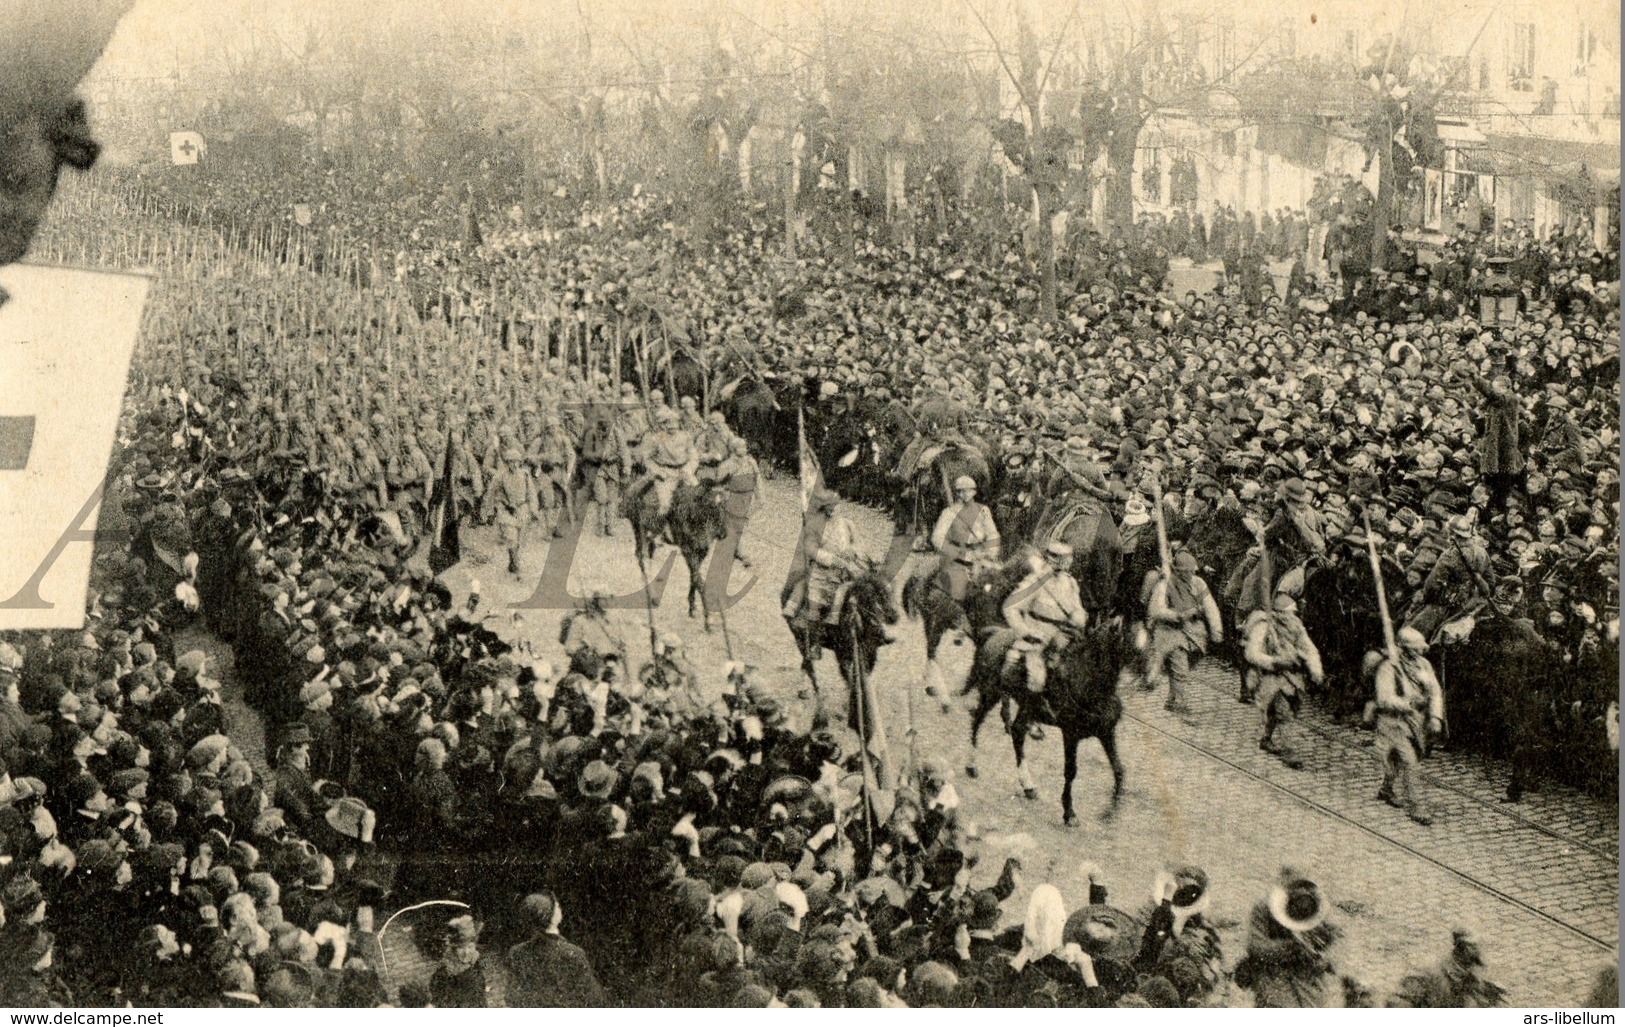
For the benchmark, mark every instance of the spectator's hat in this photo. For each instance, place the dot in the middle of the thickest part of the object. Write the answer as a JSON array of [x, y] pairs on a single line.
[[1297, 903], [597, 780]]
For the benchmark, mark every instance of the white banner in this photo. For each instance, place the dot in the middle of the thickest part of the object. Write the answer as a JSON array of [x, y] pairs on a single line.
[[186, 147], [66, 336]]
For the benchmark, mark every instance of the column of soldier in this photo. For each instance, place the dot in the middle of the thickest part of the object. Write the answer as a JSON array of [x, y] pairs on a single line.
[[209, 414], [1392, 419]]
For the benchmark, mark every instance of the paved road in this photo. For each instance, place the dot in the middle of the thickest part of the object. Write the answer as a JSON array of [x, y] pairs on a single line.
[[1536, 883]]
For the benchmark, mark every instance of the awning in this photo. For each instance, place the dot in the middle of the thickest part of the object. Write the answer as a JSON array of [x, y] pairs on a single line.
[[1522, 156], [1458, 136]]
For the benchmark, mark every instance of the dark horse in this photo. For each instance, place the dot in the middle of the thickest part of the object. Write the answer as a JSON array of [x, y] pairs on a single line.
[[926, 598], [1082, 692], [1339, 610], [860, 629], [921, 497], [694, 525]]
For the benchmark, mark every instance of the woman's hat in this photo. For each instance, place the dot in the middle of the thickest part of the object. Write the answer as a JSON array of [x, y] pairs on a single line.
[[597, 780], [1296, 903], [346, 816]]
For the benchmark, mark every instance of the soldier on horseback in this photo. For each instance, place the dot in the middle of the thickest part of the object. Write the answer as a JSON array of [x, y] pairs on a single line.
[[1452, 587], [1295, 533], [1045, 603], [829, 555], [965, 537], [669, 457]]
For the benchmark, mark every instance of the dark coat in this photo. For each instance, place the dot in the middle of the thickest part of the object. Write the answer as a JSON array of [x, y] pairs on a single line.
[[1499, 451], [548, 971]]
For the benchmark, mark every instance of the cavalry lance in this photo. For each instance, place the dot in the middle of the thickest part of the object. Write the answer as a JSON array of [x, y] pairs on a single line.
[[1382, 592]]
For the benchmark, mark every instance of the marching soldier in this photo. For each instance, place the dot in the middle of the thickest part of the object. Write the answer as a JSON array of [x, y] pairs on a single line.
[[1410, 710], [634, 419], [511, 500], [738, 475], [689, 416], [965, 536], [1043, 605], [1184, 620], [606, 461], [1281, 653], [555, 462]]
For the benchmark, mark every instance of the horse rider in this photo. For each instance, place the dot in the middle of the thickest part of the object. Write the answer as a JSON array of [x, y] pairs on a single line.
[[965, 536], [712, 439], [511, 498], [1295, 533], [1454, 586], [1409, 711], [1184, 620], [829, 549], [669, 457], [738, 475], [1042, 606], [1281, 654]]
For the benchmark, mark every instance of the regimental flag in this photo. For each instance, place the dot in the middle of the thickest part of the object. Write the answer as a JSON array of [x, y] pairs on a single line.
[[65, 342], [186, 147], [812, 478]]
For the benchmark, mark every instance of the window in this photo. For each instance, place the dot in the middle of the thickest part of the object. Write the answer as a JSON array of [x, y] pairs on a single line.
[[1190, 41], [1585, 50], [1225, 55], [1521, 61]]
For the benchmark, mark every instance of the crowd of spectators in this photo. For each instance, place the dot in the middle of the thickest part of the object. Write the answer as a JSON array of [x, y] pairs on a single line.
[[700, 853]]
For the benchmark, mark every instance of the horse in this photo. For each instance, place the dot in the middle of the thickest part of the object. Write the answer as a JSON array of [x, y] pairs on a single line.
[[756, 414], [925, 599], [1220, 542], [926, 490], [694, 524], [1497, 672], [860, 629], [1082, 692], [1339, 610]]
